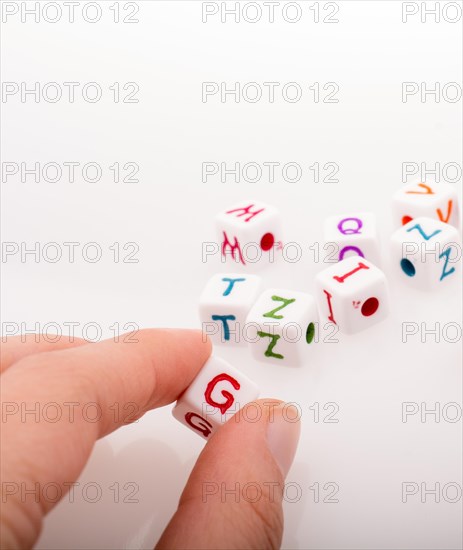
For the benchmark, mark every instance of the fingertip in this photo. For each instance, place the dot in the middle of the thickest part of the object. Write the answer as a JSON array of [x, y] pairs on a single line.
[[275, 423], [192, 338], [195, 345], [248, 456]]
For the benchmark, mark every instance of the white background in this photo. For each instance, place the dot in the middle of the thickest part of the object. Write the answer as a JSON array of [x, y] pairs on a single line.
[[369, 452]]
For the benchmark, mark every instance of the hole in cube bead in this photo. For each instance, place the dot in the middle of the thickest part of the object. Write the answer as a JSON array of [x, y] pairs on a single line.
[[407, 267], [406, 219], [370, 307], [267, 241], [310, 333]]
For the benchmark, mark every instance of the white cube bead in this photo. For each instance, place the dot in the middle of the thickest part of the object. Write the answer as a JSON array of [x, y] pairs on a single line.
[[249, 233], [281, 327], [426, 253], [353, 234], [434, 200], [224, 305], [214, 396], [352, 294]]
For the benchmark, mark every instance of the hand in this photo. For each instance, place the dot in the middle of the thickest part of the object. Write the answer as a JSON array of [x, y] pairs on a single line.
[[151, 373]]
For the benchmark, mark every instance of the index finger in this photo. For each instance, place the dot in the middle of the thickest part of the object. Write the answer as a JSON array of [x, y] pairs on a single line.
[[14, 348]]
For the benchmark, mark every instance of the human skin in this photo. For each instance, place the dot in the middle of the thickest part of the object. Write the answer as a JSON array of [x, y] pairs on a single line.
[[151, 373]]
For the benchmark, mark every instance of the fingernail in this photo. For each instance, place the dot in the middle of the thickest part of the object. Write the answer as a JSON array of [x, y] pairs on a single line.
[[283, 430]]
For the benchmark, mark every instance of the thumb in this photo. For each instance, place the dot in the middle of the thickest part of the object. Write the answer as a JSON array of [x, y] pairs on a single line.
[[233, 498]]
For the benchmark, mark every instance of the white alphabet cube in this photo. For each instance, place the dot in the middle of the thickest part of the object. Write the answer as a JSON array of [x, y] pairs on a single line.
[[352, 294], [249, 233], [281, 327], [427, 253], [225, 303], [434, 200], [353, 234], [214, 396]]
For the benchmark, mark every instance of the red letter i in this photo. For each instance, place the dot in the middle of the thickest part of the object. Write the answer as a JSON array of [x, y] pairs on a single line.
[[330, 316], [360, 266]]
